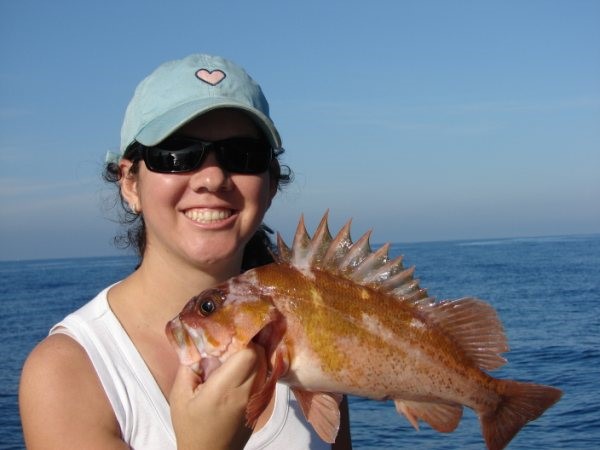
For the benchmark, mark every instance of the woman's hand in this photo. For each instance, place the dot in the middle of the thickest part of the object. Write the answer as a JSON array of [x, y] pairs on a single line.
[[211, 415]]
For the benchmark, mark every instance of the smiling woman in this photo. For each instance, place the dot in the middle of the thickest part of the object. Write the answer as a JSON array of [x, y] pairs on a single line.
[[197, 171], [199, 143]]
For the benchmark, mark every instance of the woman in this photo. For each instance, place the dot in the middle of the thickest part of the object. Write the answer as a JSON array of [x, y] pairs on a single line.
[[198, 170]]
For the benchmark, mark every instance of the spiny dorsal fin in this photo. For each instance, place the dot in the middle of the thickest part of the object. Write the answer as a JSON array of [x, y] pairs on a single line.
[[300, 245], [371, 263], [472, 323], [337, 249], [356, 254], [284, 254], [319, 244], [355, 261]]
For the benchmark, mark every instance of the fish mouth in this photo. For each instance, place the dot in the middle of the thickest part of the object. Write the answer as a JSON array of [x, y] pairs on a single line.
[[205, 367], [191, 349], [191, 345], [207, 364]]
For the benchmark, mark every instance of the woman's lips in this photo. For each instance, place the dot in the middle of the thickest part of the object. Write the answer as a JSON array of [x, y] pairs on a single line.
[[208, 216]]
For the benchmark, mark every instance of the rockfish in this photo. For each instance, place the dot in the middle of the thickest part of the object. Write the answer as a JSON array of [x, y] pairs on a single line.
[[334, 318]]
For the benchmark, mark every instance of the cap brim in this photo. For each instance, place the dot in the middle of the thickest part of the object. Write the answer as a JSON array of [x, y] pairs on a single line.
[[165, 124]]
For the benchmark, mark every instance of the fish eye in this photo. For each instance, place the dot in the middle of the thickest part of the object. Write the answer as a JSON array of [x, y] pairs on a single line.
[[209, 302], [207, 307]]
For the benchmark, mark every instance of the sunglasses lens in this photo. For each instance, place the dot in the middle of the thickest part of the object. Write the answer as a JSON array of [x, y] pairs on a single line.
[[244, 155], [171, 161], [174, 155], [237, 155]]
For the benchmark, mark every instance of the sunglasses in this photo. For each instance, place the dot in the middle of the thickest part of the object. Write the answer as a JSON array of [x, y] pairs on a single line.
[[179, 154]]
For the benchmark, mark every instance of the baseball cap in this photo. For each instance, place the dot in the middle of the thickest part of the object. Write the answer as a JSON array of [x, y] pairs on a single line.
[[181, 90]]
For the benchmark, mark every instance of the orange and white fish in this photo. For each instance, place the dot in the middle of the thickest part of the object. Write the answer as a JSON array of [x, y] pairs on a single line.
[[336, 318]]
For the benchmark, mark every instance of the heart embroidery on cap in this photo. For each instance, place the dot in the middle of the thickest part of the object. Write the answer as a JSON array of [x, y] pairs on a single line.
[[212, 77]]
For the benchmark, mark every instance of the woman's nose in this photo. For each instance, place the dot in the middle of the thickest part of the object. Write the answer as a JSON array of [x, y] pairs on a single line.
[[210, 176]]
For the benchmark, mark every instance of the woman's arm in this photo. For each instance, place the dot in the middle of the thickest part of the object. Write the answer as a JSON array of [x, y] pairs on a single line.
[[63, 404], [61, 400]]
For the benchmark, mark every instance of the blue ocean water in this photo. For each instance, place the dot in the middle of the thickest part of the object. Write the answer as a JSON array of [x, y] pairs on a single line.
[[546, 291]]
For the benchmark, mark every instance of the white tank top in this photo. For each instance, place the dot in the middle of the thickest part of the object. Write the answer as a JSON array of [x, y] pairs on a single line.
[[139, 405]]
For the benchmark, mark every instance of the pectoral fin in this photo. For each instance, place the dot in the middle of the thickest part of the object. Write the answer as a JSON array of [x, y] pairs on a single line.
[[322, 410], [260, 399]]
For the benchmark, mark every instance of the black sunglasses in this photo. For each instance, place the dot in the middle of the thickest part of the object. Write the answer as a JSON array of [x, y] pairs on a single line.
[[178, 154]]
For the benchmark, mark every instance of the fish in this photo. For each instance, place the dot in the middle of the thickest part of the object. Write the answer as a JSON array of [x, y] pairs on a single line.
[[336, 318]]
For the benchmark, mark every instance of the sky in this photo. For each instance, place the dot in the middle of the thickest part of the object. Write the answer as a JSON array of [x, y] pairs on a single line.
[[422, 120]]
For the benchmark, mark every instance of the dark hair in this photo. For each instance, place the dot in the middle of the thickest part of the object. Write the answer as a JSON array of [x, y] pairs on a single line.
[[258, 250]]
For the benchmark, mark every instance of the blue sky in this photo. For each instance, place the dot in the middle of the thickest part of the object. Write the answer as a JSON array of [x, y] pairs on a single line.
[[423, 120]]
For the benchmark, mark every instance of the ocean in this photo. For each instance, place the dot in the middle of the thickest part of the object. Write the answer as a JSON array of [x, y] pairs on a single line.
[[546, 291]]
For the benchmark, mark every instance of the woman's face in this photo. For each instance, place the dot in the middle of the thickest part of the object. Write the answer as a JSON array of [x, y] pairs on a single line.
[[204, 217]]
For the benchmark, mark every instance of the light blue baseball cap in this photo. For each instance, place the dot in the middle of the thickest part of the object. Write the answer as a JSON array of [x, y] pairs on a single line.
[[181, 90]]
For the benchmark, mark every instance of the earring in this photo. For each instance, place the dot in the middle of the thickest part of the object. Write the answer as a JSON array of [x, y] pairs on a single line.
[[134, 208]]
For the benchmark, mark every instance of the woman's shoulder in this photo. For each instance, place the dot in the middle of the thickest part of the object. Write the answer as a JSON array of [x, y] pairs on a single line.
[[61, 397], [58, 352], [55, 362]]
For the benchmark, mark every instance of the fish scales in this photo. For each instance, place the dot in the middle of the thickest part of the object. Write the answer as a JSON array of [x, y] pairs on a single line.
[[334, 317], [378, 324]]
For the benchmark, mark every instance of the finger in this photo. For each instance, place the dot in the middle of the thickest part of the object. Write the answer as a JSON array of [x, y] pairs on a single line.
[[237, 371], [185, 383]]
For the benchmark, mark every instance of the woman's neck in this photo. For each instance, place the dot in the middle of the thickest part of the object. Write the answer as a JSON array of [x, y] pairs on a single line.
[[161, 286]]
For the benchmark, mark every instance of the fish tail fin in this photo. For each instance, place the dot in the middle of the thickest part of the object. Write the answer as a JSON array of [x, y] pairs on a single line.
[[520, 403]]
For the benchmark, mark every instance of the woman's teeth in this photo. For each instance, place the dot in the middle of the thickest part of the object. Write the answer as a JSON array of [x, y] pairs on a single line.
[[204, 216]]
